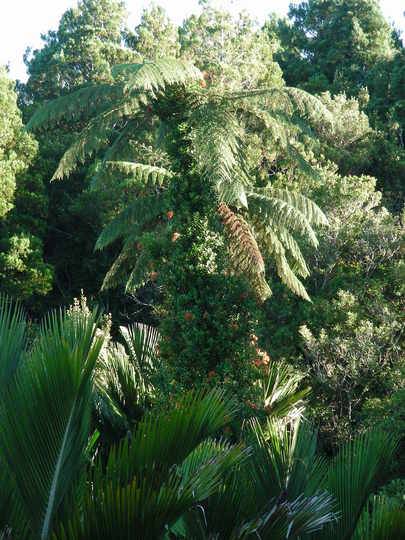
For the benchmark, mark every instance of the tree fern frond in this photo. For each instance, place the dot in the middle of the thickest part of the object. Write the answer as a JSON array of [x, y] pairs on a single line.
[[118, 273], [139, 273], [145, 174], [78, 105], [288, 277], [155, 76], [216, 138], [308, 208], [95, 136], [304, 166], [294, 251], [283, 213], [133, 218], [244, 251]]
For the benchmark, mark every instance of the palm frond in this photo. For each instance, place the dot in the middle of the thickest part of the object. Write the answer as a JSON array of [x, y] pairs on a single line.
[[45, 417], [380, 520], [281, 397], [352, 477], [13, 339]]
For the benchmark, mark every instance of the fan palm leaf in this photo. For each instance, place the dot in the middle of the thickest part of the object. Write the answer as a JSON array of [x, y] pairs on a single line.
[[45, 417]]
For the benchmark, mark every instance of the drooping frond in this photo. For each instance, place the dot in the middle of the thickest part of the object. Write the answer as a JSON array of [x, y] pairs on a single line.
[[216, 138], [288, 277], [95, 136], [244, 253], [133, 218], [79, 105], [144, 174], [291, 211], [155, 76], [118, 272]]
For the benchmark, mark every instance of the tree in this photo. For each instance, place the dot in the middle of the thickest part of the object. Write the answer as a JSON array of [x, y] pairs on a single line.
[[155, 36], [22, 269], [194, 194], [234, 52], [333, 45], [88, 41]]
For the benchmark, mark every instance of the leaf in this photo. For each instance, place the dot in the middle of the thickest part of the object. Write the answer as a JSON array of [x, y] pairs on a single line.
[[45, 417]]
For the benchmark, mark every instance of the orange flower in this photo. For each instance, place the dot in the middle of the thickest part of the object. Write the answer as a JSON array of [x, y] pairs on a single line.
[[175, 236], [170, 214]]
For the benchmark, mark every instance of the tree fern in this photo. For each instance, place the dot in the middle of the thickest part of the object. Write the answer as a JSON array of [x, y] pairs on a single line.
[[153, 102]]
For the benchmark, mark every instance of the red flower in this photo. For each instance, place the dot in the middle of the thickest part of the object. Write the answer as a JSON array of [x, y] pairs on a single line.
[[170, 214], [211, 374], [188, 315]]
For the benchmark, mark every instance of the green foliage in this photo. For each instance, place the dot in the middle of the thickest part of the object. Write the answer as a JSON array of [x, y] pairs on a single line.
[[233, 52], [155, 36], [17, 148], [334, 42]]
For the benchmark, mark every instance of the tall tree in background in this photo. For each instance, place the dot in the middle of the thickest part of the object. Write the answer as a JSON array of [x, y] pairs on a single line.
[[234, 52], [155, 36], [333, 45], [23, 272]]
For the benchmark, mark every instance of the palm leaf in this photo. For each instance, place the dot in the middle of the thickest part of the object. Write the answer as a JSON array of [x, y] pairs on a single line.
[[13, 339], [45, 417], [353, 475]]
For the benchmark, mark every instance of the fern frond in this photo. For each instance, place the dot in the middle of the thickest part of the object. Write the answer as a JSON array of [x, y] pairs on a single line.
[[145, 174], [155, 76], [244, 253], [118, 273], [288, 277], [217, 140], [78, 105], [133, 218], [277, 208], [275, 247], [306, 206], [95, 136], [139, 274]]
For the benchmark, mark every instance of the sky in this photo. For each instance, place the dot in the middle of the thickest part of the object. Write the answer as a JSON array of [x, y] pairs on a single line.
[[23, 21]]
